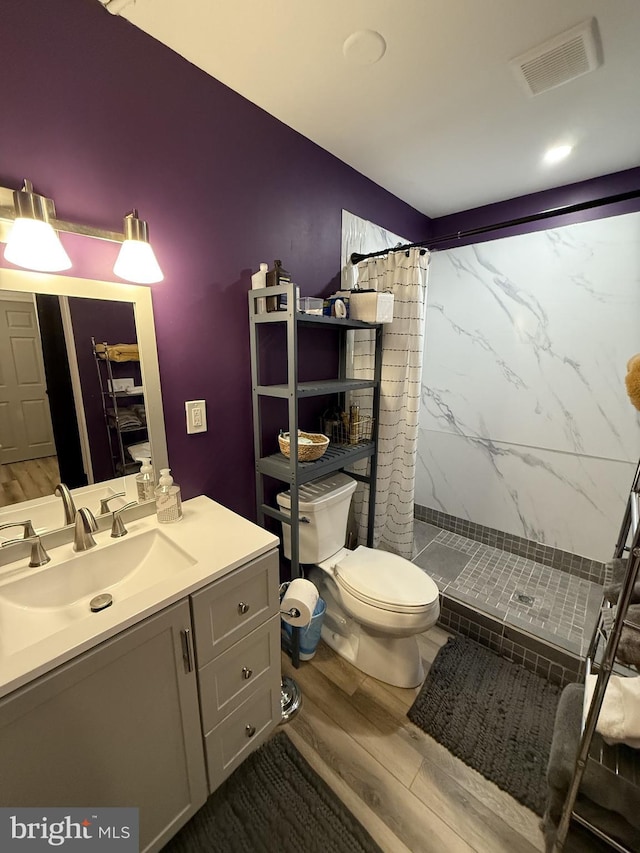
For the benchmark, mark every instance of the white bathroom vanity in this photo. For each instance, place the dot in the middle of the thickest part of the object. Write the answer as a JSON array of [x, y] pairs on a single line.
[[155, 700]]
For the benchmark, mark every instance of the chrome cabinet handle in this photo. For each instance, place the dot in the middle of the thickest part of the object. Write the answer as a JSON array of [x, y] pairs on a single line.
[[246, 673], [187, 653], [250, 730], [243, 608]]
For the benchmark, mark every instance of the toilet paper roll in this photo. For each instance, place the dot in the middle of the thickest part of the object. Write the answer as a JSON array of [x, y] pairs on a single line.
[[301, 597], [340, 308]]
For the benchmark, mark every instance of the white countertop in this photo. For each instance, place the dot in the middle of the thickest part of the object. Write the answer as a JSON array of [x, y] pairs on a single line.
[[217, 540]]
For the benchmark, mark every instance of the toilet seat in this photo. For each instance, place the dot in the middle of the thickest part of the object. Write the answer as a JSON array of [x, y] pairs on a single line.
[[385, 581]]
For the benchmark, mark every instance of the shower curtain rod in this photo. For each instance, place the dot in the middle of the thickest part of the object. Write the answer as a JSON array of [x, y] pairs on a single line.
[[498, 226]]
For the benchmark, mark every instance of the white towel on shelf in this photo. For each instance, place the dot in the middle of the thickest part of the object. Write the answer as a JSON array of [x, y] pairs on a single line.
[[619, 720]]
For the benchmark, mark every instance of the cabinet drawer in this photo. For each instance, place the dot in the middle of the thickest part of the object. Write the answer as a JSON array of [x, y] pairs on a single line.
[[230, 608], [241, 732], [242, 669]]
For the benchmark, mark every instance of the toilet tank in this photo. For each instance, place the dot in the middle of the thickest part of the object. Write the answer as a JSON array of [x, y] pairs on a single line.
[[324, 504]]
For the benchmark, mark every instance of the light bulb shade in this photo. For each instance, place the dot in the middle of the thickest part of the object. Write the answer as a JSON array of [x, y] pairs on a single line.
[[136, 262], [34, 244]]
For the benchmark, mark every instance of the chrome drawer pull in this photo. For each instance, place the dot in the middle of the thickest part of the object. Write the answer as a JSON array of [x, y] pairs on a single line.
[[243, 608], [187, 653], [250, 730], [246, 673]]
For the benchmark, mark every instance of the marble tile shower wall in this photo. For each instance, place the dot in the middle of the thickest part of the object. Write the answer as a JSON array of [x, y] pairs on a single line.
[[525, 426]]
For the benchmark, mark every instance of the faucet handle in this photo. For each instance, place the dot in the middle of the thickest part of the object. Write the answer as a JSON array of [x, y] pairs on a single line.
[[117, 527], [28, 527], [39, 556], [104, 502]]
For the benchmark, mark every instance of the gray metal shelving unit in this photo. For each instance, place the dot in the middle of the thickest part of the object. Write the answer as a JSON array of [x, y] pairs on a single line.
[[112, 401], [337, 457]]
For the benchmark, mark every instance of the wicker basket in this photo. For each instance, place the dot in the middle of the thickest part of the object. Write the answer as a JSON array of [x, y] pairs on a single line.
[[306, 452], [359, 432]]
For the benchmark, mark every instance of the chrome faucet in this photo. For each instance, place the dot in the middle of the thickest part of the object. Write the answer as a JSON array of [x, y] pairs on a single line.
[[39, 556], [117, 525], [85, 526], [67, 502], [104, 502], [28, 527]]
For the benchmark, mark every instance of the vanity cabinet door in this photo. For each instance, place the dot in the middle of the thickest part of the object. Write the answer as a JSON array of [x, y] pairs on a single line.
[[227, 680], [118, 726], [228, 609], [241, 732]]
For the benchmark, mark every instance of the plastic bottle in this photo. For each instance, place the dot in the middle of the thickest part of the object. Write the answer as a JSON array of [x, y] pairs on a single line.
[[275, 276], [168, 501], [144, 482], [258, 281]]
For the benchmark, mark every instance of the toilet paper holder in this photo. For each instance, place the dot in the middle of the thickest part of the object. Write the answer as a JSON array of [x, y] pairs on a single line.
[[293, 612]]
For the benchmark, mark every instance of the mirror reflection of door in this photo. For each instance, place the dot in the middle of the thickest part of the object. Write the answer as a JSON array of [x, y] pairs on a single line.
[[39, 446], [27, 448]]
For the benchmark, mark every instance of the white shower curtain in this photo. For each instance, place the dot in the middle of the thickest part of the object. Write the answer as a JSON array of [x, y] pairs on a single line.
[[405, 275]]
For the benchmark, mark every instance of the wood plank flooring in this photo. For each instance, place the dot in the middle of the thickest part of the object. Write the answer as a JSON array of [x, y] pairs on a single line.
[[408, 791], [23, 481]]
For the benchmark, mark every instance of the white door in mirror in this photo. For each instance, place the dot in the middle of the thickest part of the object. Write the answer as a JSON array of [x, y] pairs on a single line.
[[196, 411]]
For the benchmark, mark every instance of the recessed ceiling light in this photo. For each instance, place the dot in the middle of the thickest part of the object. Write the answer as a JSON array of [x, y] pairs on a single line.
[[364, 47], [557, 153]]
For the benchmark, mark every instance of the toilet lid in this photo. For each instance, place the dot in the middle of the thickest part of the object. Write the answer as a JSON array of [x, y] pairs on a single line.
[[386, 580]]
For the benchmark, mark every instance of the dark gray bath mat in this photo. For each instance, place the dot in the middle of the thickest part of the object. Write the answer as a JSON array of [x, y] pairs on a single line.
[[494, 715], [273, 802]]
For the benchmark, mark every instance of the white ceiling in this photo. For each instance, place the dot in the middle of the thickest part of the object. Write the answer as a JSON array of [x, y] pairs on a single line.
[[440, 120]]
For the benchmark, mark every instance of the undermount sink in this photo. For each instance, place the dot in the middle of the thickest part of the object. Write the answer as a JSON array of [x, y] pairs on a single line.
[[40, 603]]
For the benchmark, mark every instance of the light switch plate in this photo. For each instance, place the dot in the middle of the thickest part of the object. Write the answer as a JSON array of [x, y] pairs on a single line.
[[196, 411]]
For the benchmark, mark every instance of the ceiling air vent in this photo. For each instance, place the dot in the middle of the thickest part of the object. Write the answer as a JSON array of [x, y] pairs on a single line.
[[560, 59]]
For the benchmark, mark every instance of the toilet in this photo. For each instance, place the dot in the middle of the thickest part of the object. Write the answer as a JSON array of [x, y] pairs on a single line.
[[377, 602]]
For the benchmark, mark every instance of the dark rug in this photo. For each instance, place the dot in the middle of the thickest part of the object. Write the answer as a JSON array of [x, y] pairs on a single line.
[[273, 802], [494, 715]]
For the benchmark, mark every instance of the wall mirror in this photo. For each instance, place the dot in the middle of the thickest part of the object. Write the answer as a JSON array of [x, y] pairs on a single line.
[[53, 424]]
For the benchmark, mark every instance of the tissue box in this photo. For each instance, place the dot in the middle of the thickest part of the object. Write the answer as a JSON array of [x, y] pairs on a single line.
[[371, 306]]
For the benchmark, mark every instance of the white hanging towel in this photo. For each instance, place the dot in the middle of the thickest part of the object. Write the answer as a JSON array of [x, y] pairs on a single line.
[[619, 720]]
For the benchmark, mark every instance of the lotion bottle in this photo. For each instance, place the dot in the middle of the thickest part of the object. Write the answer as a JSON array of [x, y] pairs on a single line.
[[144, 482], [168, 501], [258, 281]]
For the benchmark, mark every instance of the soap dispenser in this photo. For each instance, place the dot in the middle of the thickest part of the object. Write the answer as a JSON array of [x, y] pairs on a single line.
[[144, 482], [168, 501]]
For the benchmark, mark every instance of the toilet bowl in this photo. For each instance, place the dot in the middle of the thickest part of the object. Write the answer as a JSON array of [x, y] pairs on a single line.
[[377, 602]]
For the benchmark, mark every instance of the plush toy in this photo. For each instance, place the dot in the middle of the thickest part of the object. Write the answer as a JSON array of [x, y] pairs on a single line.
[[632, 379]]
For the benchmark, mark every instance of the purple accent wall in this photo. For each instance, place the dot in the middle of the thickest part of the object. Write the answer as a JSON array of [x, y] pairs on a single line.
[[515, 208], [102, 118]]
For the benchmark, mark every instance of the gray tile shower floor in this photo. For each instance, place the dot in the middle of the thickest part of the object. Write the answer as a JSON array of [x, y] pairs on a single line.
[[547, 603]]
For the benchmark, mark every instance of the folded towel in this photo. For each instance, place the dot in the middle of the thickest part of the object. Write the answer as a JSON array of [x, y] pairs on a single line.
[[629, 645], [140, 412], [127, 419], [118, 352], [603, 798], [615, 574], [619, 719]]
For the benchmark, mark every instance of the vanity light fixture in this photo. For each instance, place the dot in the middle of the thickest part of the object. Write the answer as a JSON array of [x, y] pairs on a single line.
[[136, 260], [32, 241]]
